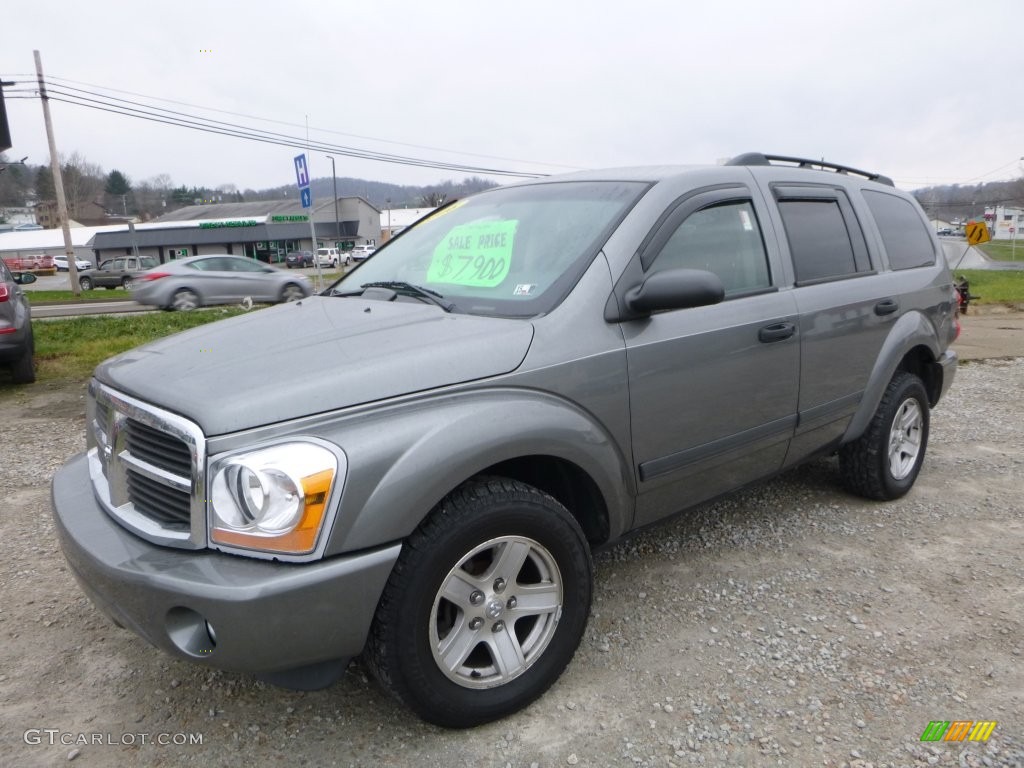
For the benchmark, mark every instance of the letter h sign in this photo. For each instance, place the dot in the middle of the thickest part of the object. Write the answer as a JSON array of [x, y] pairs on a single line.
[[301, 171]]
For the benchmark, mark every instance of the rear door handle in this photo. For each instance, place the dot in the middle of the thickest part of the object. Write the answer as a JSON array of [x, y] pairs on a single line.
[[776, 332], [886, 307]]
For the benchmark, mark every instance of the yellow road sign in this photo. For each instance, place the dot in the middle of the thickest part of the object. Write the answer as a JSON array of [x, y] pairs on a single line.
[[977, 233]]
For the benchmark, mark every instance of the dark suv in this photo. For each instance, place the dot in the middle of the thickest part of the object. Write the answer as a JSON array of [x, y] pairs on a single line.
[[116, 273], [16, 343], [299, 259], [522, 377]]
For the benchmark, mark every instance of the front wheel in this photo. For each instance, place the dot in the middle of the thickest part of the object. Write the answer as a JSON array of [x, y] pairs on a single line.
[[85, 283], [884, 462], [292, 292], [485, 606], [185, 300]]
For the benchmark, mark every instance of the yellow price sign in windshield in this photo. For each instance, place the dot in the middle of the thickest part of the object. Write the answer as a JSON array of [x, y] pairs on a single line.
[[977, 233], [478, 254]]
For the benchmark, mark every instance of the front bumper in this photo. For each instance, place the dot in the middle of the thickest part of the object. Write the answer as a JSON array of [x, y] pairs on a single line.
[[221, 610]]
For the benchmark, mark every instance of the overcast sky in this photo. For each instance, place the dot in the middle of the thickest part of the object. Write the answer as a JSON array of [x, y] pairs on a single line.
[[926, 92]]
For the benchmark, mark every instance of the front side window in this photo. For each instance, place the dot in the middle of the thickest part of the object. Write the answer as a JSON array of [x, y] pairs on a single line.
[[904, 234], [508, 252], [724, 239]]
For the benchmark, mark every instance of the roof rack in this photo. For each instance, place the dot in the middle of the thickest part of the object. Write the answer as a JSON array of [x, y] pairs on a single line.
[[757, 158]]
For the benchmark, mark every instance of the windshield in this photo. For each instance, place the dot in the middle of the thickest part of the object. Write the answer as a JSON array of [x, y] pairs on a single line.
[[509, 252]]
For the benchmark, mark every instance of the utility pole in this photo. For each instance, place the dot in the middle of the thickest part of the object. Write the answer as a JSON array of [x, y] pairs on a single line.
[[337, 221], [58, 180]]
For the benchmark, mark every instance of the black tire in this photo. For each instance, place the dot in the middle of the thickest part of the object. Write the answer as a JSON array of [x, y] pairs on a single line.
[[475, 526], [85, 283], [23, 370], [292, 292], [126, 283], [185, 300], [884, 462]]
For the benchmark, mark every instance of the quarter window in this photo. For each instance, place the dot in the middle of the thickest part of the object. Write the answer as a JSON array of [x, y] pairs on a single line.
[[724, 239], [903, 232]]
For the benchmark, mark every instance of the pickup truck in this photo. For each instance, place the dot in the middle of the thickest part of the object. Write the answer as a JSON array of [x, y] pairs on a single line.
[[415, 466]]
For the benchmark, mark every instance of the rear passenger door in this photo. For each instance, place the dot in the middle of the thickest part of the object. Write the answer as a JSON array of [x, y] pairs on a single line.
[[712, 390], [846, 309]]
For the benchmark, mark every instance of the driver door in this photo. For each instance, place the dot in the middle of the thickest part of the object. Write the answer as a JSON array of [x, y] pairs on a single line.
[[713, 390]]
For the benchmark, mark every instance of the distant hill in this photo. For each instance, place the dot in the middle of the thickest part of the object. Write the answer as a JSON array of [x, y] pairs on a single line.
[[966, 201], [378, 193]]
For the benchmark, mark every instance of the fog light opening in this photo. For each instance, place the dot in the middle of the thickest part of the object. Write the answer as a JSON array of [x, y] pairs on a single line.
[[190, 632], [212, 633]]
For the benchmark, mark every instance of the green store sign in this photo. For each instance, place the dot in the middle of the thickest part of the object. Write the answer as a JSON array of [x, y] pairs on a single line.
[[296, 217], [220, 224]]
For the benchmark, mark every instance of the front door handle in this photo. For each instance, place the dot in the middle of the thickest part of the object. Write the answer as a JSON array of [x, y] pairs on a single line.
[[886, 307], [776, 332]]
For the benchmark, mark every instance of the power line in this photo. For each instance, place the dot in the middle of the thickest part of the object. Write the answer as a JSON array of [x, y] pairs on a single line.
[[153, 113], [301, 125]]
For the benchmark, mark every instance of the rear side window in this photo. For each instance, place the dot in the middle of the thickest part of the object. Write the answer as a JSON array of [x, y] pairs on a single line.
[[903, 232], [824, 238]]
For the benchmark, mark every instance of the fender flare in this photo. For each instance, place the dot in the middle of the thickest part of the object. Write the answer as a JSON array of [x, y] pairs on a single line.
[[910, 331], [404, 460]]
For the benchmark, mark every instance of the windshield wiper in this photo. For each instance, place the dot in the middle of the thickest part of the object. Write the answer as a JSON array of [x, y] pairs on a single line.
[[417, 291]]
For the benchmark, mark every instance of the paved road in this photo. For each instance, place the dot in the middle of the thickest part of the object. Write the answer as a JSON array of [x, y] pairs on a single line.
[[960, 256], [88, 308]]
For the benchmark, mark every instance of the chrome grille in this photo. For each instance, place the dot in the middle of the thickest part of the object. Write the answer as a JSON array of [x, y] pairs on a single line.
[[147, 467], [167, 506], [158, 448]]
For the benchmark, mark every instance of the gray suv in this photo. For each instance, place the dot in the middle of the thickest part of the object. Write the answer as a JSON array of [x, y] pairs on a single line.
[[524, 376], [116, 273], [17, 345]]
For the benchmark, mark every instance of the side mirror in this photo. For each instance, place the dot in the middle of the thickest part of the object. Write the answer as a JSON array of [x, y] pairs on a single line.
[[674, 289], [24, 278]]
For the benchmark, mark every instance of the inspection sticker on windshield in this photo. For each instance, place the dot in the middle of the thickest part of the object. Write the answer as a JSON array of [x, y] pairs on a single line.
[[477, 254]]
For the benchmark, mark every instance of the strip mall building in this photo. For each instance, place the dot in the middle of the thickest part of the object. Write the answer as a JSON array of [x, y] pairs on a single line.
[[264, 230]]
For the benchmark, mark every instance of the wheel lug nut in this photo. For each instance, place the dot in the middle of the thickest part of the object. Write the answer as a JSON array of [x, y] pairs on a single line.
[[499, 626], [477, 597], [476, 623], [512, 602], [499, 585]]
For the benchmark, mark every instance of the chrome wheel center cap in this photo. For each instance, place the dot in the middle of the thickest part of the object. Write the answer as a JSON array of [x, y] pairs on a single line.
[[495, 608]]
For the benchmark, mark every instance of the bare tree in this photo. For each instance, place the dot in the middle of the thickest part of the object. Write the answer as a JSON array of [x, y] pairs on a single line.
[[83, 183]]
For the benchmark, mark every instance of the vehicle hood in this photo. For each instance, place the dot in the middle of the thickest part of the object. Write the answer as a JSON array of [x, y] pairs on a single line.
[[314, 355]]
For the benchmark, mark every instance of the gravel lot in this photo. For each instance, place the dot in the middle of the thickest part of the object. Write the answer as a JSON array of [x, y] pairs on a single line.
[[788, 625]]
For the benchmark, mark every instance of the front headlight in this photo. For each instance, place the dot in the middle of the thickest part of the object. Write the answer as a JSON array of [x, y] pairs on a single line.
[[273, 499]]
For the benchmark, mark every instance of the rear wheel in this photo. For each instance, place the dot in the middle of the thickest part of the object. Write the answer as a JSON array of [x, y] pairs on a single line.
[[85, 283], [23, 370], [185, 300], [485, 606], [884, 462], [127, 283]]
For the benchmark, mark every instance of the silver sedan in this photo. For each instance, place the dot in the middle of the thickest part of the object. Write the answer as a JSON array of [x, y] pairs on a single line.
[[216, 279]]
